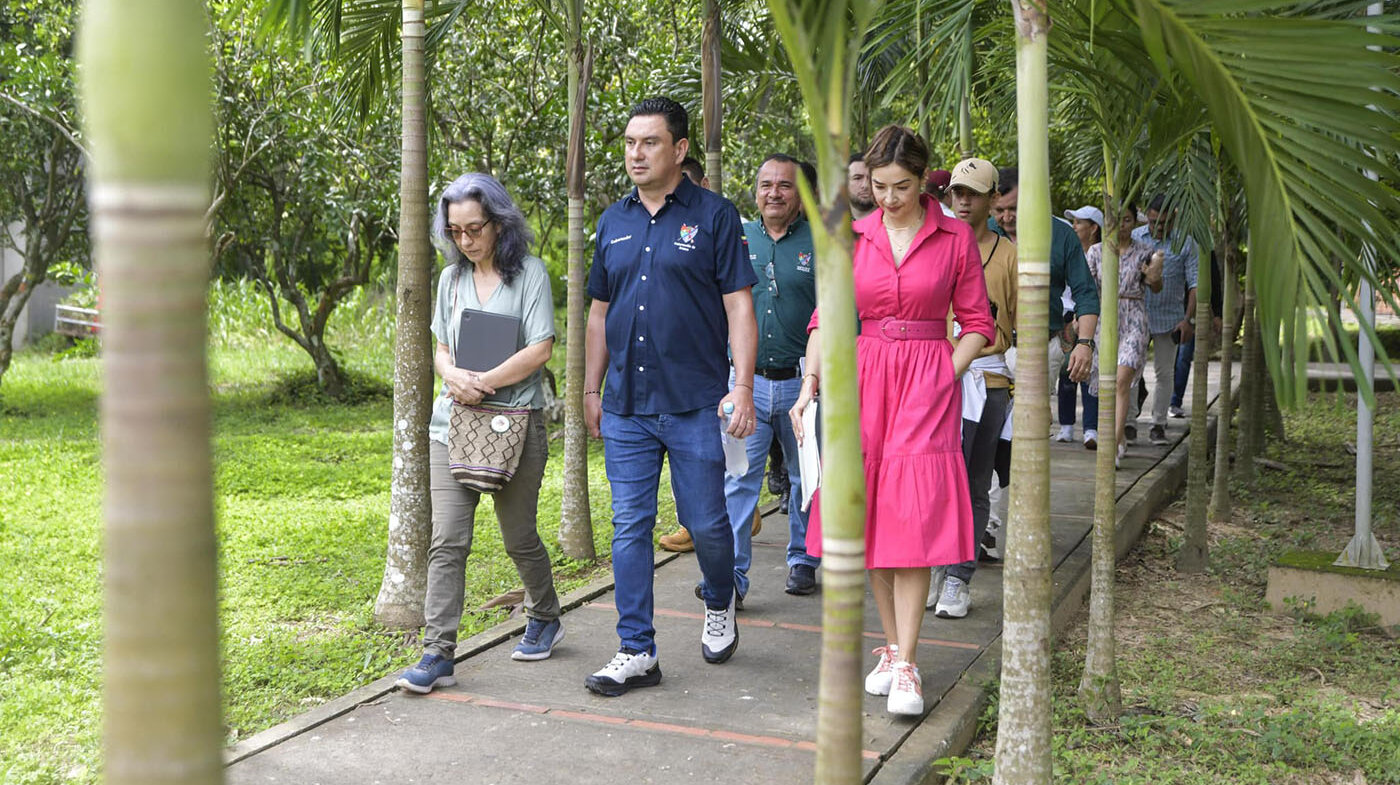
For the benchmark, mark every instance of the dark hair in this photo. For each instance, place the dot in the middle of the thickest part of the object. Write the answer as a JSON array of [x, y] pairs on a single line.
[[692, 167], [856, 158], [895, 144], [513, 236], [677, 120], [1158, 202], [1008, 179]]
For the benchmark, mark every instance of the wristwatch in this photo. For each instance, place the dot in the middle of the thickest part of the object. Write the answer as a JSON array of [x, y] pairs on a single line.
[[1089, 342]]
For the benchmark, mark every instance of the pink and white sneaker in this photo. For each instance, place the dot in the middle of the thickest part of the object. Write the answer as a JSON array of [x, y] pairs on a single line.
[[878, 681], [906, 691]]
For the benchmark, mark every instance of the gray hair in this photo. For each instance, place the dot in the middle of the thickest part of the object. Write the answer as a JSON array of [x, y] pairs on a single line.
[[513, 237]]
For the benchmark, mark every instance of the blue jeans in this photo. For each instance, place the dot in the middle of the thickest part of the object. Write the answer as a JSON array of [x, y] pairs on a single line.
[[1185, 353], [771, 402], [1066, 396], [633, 448]]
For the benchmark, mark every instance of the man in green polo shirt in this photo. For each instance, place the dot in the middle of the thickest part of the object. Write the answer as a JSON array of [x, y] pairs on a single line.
[[780, 249], [1067, 267]]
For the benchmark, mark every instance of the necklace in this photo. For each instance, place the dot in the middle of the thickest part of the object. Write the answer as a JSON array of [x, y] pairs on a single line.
[[902, 236]]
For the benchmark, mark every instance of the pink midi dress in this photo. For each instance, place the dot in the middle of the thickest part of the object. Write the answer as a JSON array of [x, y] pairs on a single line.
[[917, 509]]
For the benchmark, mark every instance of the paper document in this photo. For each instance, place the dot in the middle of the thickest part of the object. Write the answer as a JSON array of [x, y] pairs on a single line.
[[809, 459]]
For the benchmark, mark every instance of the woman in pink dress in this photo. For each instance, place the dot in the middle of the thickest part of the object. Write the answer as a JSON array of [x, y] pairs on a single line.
[[911, 265]]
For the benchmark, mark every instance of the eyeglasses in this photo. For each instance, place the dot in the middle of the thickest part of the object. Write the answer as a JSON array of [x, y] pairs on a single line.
[[772, 281], [471, 230]]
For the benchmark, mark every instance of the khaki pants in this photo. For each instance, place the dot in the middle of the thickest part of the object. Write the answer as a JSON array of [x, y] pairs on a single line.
[[454, 516]]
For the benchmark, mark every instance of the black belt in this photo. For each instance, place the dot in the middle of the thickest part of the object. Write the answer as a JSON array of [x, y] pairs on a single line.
[[776, 374]]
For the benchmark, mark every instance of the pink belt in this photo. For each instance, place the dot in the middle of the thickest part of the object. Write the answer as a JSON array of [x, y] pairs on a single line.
[[892, 329]]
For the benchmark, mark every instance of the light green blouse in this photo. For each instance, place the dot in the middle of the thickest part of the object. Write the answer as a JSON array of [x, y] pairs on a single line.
[[528, 298]]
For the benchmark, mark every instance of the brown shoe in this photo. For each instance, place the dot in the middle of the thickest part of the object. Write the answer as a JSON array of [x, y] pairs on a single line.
[[757, 523], [679, 542]]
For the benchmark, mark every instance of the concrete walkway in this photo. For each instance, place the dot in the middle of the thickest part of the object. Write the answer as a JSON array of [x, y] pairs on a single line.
[[750, 720]]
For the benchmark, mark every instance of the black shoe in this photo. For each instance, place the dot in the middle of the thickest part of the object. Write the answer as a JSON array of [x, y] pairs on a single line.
[[1130, 433], [783, 499], [802, 579], [738, 598], [1158, 435]]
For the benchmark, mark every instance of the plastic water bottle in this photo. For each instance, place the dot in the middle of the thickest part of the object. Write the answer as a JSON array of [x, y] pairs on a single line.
[[736, 453]]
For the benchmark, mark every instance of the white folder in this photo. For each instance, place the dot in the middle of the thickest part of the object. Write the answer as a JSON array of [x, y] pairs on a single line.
[[809, 458]]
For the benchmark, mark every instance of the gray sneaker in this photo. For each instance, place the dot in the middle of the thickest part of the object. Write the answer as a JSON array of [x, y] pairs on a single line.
[[1158, 435], [935, 588], [955, 600]]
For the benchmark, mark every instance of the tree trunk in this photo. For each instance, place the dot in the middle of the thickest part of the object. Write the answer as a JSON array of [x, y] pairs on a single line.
[[149, 190], [329, 377], [400, 602], [13, 297], [823, 41], [576, 516], [1099, 691], [711, 99], [1194, 555], [1220, 503], [1250, 374], [967, 147], [1023, 731]]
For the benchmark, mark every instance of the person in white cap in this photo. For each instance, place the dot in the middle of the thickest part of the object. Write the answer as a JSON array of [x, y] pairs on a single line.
[[986, 387], [1088, 227]]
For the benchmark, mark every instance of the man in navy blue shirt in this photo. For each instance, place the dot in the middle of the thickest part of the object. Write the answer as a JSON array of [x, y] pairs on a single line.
[[670, 286]]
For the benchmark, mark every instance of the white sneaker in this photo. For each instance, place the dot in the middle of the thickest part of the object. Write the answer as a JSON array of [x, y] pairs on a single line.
[[1177, 412], [935, 586], [1091, 439], [625, 671], [720, 637], [1066, 434], [1118, 459], [906, 691], [878, 681], [955, 599]]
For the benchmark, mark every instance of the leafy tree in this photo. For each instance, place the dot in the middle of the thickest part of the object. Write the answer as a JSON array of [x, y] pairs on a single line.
[[42, 204], [304, 206], [146, 89]]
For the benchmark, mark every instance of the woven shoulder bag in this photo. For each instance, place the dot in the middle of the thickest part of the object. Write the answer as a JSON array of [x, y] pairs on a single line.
[[484, 444]]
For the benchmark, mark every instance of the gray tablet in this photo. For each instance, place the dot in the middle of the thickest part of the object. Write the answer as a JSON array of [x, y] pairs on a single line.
[[485, 340]]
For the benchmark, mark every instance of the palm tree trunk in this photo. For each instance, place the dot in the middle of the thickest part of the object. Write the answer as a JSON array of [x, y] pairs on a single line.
[[711, 99], [1099, 691], [1220, 502], [823, 41], [576, 521], [1023, 733], [400, 602], [149, 189], [1195, 554], [967, 147], [1250, 382]]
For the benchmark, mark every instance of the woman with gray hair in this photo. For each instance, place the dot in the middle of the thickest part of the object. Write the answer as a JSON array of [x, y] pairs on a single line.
[[484, 239]]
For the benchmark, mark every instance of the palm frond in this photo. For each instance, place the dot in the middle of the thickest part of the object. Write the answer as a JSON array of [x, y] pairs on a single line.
[[1303, 141]]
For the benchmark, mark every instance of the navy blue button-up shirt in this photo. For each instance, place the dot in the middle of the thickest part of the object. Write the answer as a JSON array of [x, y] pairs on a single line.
[[664, 277]]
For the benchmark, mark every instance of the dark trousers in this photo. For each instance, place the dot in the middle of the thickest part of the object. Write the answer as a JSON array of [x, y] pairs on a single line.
[[979, 443], [1066, 394], [1185, 353]]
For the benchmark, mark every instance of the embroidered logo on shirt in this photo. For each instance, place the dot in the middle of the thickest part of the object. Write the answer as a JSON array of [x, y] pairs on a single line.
[[688, 233], [804, 261], [617, 240]]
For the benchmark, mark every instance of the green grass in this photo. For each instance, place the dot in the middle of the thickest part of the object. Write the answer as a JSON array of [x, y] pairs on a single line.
[[302, 497], [1217, 688]]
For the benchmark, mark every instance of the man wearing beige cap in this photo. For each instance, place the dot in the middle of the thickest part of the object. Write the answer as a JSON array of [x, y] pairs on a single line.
[[986, 386]]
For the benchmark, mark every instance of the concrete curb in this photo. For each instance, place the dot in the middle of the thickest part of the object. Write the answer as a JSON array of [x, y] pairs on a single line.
[[377, 689], [950, 727]]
